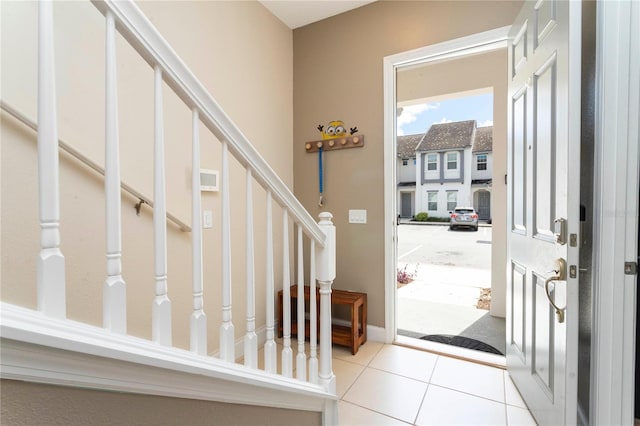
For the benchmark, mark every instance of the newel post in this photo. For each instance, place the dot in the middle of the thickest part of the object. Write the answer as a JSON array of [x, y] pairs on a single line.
[[325, 274]]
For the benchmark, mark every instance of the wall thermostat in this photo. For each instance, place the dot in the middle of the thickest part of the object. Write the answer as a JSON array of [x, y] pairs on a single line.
[[209, 180]]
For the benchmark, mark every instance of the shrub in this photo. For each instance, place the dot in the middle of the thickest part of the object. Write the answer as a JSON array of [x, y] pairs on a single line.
[[422, 217], [438, 219]]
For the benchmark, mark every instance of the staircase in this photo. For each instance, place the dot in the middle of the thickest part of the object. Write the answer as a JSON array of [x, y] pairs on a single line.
[[42, 344]]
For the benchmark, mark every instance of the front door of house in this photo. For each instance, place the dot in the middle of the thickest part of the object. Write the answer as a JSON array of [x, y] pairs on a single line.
[[405, 203], [484, 205], [543, 208]]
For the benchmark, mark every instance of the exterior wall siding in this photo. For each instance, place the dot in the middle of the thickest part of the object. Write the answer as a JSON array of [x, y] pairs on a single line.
[[482, 174], [442, 175], [406, 173], [463, 197]]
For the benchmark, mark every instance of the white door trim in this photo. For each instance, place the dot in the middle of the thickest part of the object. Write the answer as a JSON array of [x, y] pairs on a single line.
[[615, 212], [473, 44]]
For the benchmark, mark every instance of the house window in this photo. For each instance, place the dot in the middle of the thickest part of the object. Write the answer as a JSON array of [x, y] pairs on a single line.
[[452, 200], [481, 162], [405, 162], [432, 198], [432, 162], [414, 161], [452, 161]]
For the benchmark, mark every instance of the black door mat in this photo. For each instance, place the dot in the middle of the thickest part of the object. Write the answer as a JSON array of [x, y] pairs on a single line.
[[462, 342]]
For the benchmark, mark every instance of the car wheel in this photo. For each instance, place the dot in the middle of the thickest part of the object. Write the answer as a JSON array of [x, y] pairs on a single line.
[[475, 229], [450, 228]]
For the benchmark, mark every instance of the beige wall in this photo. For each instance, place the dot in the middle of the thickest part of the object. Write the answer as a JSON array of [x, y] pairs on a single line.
[[24, 404], [338, 75], [241, 53], [466, 74]]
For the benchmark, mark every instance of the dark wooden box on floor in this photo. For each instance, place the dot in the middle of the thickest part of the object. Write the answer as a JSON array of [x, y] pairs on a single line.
[[351, 337]]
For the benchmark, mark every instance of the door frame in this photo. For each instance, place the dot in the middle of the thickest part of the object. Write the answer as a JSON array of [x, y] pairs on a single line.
[[476, 43], [617, 77], [615, 212]]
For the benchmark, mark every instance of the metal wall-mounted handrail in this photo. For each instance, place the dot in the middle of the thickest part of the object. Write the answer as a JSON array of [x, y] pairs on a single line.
[[89, 163]]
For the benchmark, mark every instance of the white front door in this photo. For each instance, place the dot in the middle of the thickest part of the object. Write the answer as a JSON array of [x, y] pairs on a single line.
[[543, 208]]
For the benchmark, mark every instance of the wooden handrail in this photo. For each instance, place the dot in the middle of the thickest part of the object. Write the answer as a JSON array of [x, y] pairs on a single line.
[[89, 163]]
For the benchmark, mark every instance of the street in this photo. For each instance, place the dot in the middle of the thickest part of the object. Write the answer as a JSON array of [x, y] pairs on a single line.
[[437, 245]]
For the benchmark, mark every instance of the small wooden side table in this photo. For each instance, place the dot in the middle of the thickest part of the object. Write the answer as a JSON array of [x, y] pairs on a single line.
[[352, 337]]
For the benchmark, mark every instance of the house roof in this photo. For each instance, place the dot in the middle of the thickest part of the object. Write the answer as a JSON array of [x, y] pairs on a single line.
[[407, 145], [483, 141], [445, 136]]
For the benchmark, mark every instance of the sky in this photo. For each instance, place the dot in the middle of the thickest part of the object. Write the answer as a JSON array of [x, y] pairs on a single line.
[[416, 119]]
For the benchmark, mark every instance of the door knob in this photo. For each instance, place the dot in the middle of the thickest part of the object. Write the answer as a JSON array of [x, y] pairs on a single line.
[[559, 274]]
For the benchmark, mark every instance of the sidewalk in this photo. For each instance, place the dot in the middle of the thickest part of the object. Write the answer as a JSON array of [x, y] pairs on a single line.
[[442, 300]]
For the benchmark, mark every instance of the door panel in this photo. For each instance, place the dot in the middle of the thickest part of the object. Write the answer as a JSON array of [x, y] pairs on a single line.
[[518, 301], [543, 324], [545, 17], [544, 145], [519, 160], [544, 134]]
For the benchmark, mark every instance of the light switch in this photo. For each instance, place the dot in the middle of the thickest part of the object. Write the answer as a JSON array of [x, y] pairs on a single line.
[[357, 216], [207, 219]]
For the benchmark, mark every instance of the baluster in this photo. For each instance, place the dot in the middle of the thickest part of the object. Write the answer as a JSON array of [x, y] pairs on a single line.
[[250, 339], [227, 334], [270, 347], [326, 273], [50, 269], [313, 319], [287, 353], [114, 291], [161, 305], [301, 358], [198, 317]]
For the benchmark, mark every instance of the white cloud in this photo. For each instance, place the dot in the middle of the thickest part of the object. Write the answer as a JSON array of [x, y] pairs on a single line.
[[486, 123], [410, 114], [444, 120]]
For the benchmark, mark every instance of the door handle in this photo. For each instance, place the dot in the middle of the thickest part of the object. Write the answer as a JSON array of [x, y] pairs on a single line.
[[559, 274]]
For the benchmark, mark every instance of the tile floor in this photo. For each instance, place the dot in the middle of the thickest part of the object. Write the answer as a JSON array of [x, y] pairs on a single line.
[[395, 385]]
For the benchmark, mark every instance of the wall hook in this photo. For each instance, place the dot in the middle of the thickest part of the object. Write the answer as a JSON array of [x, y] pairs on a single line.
[[138, 206]]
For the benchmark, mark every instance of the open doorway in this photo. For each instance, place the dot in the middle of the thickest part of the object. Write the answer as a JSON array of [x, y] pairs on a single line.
[[441, 74], [445, 158]]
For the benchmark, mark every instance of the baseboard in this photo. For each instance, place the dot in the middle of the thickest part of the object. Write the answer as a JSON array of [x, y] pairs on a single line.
[[376, 334]]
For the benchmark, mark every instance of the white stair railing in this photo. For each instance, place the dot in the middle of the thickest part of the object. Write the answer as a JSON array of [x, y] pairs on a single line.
[[270, 347], [251, 338], [169, 70], [161, 328], [198, 317], [115, 292], [51, 272]]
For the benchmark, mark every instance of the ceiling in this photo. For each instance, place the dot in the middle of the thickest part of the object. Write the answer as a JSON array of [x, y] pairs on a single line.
[[298, 13]]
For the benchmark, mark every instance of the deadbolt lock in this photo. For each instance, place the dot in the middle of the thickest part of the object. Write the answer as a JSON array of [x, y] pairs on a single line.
[[560, 230]]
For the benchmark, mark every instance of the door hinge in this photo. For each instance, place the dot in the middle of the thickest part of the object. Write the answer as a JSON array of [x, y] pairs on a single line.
[[630, 268]]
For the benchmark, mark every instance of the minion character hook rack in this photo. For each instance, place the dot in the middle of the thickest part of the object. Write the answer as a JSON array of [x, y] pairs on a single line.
[[334, 137]]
